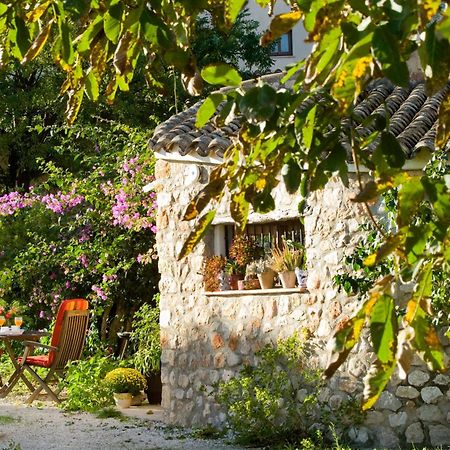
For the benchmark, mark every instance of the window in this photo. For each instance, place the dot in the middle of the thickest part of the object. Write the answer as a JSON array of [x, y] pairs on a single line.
[[268, 235], [283, 46]]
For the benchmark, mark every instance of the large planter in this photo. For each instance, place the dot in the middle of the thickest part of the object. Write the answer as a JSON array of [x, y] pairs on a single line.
[[266, 279], [288, 279], [154, 388], [123, 399]]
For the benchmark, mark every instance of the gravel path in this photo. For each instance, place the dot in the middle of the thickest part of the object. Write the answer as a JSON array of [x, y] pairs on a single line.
[[49, 428]]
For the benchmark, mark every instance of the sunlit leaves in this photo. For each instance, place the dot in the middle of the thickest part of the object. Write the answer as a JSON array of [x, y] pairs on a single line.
[[388, 153], [208, 108], [383, 329], [222, 74], [197, 234], [386, 50], [38, 43], [292, 175], [281, 24], [410, 194], [348, 335], [443, 129], [435, 59], [377, 379], [232, 9], [113, 21]]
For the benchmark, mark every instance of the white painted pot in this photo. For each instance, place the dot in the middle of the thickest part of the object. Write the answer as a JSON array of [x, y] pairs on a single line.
[[123, 399]]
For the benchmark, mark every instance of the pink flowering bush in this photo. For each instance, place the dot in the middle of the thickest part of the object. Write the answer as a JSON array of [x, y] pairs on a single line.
[[87, 233]]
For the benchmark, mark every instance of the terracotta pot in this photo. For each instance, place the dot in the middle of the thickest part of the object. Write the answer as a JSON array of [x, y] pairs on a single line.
[[123, 399], [233, 280], [288, 279], [266, 279], [241, 285]]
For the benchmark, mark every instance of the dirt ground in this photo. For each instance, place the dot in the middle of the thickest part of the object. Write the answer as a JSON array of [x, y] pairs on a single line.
[[46, 427]]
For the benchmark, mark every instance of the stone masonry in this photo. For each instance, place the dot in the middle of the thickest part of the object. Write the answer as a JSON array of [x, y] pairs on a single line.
[[208, 337]]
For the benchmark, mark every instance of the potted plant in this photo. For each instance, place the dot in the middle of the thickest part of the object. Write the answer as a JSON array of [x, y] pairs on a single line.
[[243, 251], [145, 337], [212, 270], [265, 272], [235, 273], [285, 261], [125, 383]]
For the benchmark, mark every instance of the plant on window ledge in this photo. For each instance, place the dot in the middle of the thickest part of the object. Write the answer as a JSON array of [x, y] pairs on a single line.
[[212, 268]]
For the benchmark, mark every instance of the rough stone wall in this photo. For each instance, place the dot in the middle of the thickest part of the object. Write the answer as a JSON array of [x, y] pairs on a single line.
[[207, 338]]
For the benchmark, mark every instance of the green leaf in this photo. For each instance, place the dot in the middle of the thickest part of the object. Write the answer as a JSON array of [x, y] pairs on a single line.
[[379, 375], [308, 129], [383, 329], [221, 73], [232, 10], [292, 175], [386, 50], [410, 194], [74, 104], [91, 86], [388, 153], [67, 53], [239, 208], [154, 29], [281, 24], [112, 22], [197, 234], [208, 108], [258, 104], [214, 188], [3, 8], [435, 58], [38, 43], [348, 335], [85, 39], [20, 37], [390, 244]]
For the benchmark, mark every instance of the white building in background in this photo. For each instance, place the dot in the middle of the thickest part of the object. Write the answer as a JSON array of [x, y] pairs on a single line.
[[292, 46]]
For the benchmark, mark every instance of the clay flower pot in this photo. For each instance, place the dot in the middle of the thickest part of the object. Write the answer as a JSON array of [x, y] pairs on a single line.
[[234, 279], [288, 279], [123, 399], [266, 279]]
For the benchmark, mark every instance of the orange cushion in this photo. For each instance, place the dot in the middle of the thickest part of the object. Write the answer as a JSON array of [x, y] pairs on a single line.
[[38, 360]]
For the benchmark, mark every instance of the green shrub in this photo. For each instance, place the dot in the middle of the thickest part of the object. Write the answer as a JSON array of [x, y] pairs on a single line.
[[85, 385], [146, 338], [275, 400]]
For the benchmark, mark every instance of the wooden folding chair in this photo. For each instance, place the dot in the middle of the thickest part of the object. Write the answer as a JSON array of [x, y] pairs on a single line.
[[66, 345]]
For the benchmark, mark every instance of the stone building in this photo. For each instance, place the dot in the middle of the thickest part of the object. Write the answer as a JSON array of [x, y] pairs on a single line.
[[208, 336]]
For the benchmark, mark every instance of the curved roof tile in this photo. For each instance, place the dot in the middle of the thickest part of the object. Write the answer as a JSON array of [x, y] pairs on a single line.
[[412, 118]]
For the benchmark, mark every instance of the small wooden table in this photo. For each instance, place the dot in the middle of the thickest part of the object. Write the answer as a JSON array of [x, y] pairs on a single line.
[[14, 378]]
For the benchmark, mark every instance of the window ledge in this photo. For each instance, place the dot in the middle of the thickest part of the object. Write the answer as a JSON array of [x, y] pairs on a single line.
[[264, 292]]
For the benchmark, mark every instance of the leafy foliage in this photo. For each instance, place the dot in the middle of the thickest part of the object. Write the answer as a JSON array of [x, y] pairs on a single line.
[[125, 380], [146, 338], [274, 400], [355, 42], [85, 386]]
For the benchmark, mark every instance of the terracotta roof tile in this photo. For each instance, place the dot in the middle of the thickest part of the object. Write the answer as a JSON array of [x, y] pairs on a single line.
[[412, 118]]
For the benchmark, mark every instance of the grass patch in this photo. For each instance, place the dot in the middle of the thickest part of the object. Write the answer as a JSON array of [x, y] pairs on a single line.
[[108, 413], [5, 420], [208, 432]]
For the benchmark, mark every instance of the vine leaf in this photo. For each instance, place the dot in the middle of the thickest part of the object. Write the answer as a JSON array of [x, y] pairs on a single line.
[[221, 73], [377, 379], [38, 43], [281, 24], [347, 337], [208, 108], [197, 234]]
